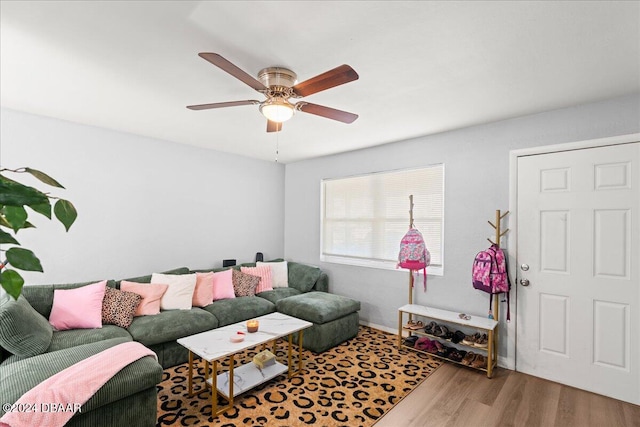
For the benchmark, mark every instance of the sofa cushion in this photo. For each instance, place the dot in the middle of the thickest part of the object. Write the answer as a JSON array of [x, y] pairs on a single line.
[[318, 307], [23, 375], [76, 337], [277, 294], [41, 296], [171, 325], [264, 273], [118, 307], [279, 273], [203, 293], [244, 285], [151, 295], [302, 276], [179, 294], [223, 285], [23, 331], [79, 308], [234, 310]]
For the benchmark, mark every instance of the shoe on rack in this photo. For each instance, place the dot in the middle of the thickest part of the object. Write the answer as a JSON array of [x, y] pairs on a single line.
[[468, 358], [469, 339], [457, 337], [441, 331], [410, 341], [479, 362], [482, 341], [430, 328], [457, 355], [423, 343]]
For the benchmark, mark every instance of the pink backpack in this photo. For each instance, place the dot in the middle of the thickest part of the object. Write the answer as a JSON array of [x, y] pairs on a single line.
[[413, 254], [489, 274]]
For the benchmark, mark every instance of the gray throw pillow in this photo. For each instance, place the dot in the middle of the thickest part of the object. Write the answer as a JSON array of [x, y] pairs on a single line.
[[23, 332]]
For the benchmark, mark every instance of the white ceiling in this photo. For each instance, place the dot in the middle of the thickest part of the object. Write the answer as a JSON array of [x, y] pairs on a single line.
[[425, 67]]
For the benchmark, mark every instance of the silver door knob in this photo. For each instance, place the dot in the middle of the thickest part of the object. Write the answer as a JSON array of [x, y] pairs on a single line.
[[524, 282]]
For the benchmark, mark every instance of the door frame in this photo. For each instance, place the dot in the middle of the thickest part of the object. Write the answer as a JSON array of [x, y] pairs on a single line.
[[511, 361]]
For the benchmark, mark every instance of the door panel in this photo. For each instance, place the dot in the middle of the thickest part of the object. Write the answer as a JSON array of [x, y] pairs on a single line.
[[579, 231]]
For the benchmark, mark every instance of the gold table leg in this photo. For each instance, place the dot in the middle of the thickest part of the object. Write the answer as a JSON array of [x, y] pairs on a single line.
[[190, 373], [399, 329]]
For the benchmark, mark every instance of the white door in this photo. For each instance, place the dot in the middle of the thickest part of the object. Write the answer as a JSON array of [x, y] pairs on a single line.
[[578, 231]]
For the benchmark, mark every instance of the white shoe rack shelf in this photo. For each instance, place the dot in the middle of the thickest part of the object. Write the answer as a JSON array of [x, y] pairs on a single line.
[[453, 322]]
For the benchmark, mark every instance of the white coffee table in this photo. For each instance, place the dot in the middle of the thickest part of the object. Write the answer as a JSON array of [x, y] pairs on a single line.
[[214, 345]]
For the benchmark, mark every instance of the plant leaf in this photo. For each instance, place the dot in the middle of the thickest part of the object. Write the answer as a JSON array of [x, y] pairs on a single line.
[[65, 212], [43, 177], [13, 193], [7, 238], [42, 208], [12, 282], [23, 259], [16, 216]]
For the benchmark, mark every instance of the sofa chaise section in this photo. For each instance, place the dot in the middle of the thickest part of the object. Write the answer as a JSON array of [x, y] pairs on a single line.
[[128, 398]]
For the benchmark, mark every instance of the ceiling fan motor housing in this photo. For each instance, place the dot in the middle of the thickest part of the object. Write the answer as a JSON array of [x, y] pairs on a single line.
[[277, 76]]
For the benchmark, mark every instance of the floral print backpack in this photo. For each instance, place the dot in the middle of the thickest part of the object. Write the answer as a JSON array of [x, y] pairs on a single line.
[[414, 254]]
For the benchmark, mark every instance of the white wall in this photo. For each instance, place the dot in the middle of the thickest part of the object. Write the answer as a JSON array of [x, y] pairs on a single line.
[[144, 205], [476, 184]]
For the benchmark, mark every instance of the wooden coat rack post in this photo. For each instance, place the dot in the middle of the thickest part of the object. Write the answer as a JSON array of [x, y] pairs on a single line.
[[410, 274], [499, 234]]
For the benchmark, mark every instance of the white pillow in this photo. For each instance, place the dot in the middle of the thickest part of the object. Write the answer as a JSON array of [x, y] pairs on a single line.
[[179, 294], [279, 273]]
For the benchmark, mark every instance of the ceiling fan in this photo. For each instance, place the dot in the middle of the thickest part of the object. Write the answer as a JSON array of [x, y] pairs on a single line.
[[279, 86]]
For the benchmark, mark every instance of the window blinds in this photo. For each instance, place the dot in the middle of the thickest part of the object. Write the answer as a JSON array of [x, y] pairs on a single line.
[[364, 217]]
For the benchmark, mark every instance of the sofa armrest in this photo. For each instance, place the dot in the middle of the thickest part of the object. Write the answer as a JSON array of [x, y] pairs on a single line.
[[19, 377], [322, 284]]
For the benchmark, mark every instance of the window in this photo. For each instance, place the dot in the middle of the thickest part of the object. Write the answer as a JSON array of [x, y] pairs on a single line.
[[364, 217]]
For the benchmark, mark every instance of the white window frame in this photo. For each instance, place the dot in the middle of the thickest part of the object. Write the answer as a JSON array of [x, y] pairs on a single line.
[[436, 270]]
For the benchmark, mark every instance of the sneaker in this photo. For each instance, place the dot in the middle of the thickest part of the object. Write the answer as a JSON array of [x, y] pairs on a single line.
[[410, 341]]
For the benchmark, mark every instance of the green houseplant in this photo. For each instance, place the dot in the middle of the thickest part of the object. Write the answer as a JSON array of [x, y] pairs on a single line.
[[15, 197]]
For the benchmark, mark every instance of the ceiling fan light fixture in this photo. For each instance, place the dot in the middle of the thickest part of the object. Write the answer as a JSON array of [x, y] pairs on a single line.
[[277, 110]]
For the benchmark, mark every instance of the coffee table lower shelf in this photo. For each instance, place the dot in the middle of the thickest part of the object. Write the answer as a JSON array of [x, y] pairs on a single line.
[[246, 377]]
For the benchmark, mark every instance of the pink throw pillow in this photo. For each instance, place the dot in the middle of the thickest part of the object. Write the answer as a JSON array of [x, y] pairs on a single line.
[[151, 294], [264, 273], [79, 308], [223, 285], [203, 294]]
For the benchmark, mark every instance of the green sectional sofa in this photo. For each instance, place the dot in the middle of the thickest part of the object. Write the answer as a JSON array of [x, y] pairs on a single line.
[[129, 398]]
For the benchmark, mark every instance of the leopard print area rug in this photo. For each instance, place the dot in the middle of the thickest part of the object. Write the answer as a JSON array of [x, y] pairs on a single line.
[[353, 384]]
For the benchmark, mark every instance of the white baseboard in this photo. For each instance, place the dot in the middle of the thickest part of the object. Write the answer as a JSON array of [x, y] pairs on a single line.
[[380, 327]]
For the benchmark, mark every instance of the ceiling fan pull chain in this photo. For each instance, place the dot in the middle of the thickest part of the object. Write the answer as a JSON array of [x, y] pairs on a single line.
[[277, 145]]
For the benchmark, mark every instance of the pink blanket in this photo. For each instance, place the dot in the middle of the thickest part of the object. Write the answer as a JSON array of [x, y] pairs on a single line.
[[54, 401]]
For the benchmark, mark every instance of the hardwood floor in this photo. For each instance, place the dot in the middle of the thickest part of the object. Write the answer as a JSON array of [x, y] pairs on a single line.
[[457, 396]]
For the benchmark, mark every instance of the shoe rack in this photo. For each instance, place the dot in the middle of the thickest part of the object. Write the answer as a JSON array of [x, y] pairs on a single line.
[[453, 322], [488, 326]]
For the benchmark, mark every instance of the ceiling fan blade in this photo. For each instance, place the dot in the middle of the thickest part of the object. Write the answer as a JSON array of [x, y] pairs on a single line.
[[222, 104], [273, 126], [332, 78], [236, 72], [329, 113]]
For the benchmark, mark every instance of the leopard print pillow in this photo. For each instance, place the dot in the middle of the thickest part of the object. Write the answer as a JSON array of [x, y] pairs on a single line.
[[244, 285], [118, 307]]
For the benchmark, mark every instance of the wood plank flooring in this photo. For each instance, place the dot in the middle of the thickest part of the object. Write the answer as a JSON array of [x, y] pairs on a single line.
[[458, 396]]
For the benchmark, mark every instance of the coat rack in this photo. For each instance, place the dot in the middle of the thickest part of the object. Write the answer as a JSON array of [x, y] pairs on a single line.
[[410, 226], [499, 234]]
